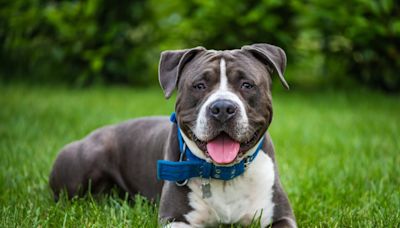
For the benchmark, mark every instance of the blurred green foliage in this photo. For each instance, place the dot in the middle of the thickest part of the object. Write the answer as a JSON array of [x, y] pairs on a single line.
[[102, 41], [78, 42], [359, 39]]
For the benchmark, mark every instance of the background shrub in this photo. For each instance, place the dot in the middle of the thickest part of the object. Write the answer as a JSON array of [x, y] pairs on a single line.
[[101, 41], [358, 39], [78, 42]]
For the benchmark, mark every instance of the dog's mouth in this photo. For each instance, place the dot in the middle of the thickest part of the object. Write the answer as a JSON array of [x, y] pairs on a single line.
[[223, 149]]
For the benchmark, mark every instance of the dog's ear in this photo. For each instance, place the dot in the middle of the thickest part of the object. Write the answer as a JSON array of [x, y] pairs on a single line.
[[171, 65], [271, 56]]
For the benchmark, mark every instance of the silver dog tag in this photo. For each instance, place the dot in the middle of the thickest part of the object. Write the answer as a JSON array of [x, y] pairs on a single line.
[[206, 189]]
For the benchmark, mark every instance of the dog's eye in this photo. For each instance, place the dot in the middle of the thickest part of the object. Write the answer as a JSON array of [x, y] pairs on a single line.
[[246, 85], [199, 86]]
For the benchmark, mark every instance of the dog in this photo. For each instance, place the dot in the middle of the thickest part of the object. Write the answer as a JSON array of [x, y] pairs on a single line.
[[212, 162]]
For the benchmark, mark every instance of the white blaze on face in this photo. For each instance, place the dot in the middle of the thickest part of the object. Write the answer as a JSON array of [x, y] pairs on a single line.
[[201, 130], [223, 81]]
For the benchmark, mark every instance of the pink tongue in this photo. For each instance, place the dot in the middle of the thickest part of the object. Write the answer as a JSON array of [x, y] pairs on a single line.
[[223, 149]]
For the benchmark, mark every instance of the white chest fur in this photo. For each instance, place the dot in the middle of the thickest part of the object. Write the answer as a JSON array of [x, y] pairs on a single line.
[[236, 201]]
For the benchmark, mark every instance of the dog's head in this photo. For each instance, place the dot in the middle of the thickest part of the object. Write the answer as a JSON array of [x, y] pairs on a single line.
[[224, 103]]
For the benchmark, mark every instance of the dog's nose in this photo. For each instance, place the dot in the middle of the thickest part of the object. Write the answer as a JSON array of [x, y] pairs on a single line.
[[222, 110]]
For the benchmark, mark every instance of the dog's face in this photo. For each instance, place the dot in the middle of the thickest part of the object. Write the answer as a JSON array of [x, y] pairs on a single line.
[[224, 103]]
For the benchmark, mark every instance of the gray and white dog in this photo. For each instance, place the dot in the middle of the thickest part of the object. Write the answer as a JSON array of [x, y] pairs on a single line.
[[223, 110]]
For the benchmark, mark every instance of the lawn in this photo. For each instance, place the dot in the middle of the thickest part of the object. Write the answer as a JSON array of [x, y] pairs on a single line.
[[338, 154]]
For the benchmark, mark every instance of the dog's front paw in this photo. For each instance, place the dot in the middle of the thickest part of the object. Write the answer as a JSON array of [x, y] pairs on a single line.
[[177, 225], [285, 223]]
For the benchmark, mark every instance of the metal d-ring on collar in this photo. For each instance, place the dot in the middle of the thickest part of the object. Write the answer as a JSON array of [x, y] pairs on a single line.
[[184, 182]]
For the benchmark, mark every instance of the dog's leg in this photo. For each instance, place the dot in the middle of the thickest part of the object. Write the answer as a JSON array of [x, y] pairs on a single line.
[[284, 222], [174, 203], [177, 225], [283, 213], [83, 164], [74, 171]]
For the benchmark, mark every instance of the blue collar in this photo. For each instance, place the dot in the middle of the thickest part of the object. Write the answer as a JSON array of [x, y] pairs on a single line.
[[194, 166]]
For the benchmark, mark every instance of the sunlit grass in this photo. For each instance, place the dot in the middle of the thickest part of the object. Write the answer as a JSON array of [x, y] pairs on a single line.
[[338, 154]]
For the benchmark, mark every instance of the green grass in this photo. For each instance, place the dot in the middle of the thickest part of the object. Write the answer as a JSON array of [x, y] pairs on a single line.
[[338, 154]]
